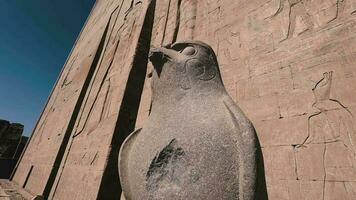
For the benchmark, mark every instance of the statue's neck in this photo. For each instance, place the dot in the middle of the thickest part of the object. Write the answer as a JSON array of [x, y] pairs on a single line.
[[195, 95]]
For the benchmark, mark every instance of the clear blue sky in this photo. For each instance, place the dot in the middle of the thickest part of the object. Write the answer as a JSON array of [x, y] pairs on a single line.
[[36, 37]]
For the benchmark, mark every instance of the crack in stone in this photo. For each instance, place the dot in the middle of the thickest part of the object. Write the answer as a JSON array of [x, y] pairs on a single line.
[[324, 178], [176, 29], [295, 161], [78, 132], [166, 22]]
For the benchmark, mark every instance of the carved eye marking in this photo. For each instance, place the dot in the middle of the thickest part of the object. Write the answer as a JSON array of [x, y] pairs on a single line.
[[203, 71], [188, 51]]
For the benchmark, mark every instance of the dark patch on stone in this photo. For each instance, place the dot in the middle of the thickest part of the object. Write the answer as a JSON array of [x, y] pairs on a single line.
[[163, 165]]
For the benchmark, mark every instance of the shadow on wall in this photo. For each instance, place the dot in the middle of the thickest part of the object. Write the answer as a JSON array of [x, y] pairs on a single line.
[[261, 191], [6, 167], [110, 187]]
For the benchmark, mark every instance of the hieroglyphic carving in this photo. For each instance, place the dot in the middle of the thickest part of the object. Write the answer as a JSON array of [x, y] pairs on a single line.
[[331, 138], [99, 98], [350, 7], [45, 149], [107, 102], [304, 15], [67, 78], [299, 20], [230, 44], [187, 19], [332, 121], [324, 12], [100, 73], [256, 42]]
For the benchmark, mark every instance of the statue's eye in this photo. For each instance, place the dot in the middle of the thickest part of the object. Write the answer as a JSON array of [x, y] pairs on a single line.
[[188, 51]]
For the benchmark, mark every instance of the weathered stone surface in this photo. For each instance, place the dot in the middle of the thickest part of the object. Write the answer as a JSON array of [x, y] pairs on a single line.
[[295, 189], [74, 148], [197, 143], [10, 191], [10, 136], [40, 162], [107, 114], [3, 126], [272, 54], [11, 145]]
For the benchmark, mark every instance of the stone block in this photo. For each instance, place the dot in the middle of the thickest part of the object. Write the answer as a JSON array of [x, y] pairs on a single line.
[[310, 162], [284, 131], [272, 53], [279, 163]]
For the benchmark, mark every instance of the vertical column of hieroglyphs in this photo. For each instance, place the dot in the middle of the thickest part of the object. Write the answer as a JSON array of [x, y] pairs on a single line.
[[174, 20], [290, 65], [40, 161], [107, 115], [160, 21], [111, 10]]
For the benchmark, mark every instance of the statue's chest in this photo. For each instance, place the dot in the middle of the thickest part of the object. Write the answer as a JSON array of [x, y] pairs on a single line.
[[177, 155]]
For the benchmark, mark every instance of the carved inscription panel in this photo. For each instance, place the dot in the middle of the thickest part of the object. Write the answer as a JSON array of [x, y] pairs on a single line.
[[274, 57], [289, 64]]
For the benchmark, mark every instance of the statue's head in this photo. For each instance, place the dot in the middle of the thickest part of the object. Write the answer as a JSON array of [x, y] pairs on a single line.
[[322, 88], [184, 65]]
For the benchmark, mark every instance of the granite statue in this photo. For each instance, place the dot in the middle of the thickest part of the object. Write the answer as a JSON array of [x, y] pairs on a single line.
[[196, 143]]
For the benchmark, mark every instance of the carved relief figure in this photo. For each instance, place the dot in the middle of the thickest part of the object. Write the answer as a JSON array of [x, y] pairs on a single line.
[[196, 143], [304, 15], [98, 102], [332, 121], [299, 20], [230, 44], [187, 10], [331, 140]]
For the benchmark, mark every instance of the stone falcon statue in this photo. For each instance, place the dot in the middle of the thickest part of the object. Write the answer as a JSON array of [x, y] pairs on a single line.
[[196, 143]]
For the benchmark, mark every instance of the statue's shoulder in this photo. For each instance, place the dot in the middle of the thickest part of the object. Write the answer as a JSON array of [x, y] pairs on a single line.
[[123, 155]]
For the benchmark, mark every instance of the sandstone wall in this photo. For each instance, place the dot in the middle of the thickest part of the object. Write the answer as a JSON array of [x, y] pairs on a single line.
[[289, 64], [74, 147], [40, 162], [89, 168]]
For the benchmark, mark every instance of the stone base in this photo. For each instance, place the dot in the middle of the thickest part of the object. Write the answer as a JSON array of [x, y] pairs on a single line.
[[9, 191]]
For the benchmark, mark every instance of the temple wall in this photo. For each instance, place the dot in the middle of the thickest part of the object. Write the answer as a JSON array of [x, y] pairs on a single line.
[[289, 64]]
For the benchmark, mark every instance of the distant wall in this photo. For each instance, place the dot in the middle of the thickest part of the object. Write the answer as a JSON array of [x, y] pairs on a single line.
[[289, 64], [73, 150], [11, 145]]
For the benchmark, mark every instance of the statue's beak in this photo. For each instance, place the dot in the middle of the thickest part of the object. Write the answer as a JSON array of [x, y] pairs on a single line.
[[161, 54], [155, 56]]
